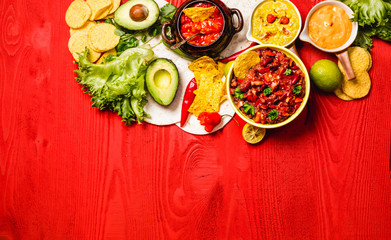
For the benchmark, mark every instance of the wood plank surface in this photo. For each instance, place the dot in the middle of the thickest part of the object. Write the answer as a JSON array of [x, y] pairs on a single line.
[[69, 171]]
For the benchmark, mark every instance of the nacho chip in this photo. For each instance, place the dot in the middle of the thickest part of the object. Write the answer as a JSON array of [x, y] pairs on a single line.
[[98, 8], [199, 14], [84, 28], [102, 38], [245, 62], [221, 67], [358, 87], [360, 59], [210, 88], [341, 95], [77, 14], [77, 44], [105, 55]]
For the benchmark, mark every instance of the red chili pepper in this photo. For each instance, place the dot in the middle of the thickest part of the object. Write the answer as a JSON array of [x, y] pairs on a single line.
[[209, 120], [188, 99], [235, 55]]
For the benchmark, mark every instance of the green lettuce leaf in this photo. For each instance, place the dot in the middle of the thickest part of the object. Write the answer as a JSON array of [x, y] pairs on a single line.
[[117, 85]]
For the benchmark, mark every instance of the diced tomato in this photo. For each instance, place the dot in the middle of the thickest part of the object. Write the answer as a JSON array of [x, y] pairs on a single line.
[[284, 20], [271, 18]]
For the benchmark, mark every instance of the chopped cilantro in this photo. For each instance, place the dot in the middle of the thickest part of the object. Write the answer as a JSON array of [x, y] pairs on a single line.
[[297, 89], [267, 91], [273, 114], [288, 71], [249, 109], [238, 93]]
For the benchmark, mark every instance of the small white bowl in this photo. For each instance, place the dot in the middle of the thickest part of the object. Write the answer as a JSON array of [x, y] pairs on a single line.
[[304, 36], [291, 43]]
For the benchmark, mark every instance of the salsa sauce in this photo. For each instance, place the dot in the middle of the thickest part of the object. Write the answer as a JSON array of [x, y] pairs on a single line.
[[211, 28], [272, 90]]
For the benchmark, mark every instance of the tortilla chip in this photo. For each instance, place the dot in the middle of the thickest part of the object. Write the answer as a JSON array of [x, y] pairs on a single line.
[[85, 27], [77, 44], [98, 8], [221, 67], [105, 55], [358, 87], [199, 14], [115, 4], [77, 14], [245, 62], [102, 38], [341, 95], [360, 59], [210, 88]]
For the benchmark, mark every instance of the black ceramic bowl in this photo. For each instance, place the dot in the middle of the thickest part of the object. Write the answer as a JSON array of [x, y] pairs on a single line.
[[214, 49]]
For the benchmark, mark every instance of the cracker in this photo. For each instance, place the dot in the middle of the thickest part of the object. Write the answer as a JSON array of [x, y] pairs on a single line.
[[358, 87], [84, 28], [77, 14], [77, 44], [341, 95], [105, 55], [360, 59], [98, 8], [102, 37]]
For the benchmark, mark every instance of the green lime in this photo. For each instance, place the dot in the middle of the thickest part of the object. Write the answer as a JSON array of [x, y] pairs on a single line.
[[326, 75], [227, 67]]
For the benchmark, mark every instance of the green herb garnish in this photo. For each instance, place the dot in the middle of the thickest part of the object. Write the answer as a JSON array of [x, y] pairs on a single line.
[[267, 91], [249, 109], [238, 93], [297, 90], [288, 72], [273, 114]]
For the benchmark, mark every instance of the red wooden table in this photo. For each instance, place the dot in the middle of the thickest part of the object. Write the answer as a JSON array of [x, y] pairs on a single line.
[[69, 171]]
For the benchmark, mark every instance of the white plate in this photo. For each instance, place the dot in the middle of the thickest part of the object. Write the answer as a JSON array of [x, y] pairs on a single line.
[[167, 115]]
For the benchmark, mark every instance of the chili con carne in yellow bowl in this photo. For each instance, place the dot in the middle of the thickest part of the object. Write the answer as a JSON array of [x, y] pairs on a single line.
[[273, 92]]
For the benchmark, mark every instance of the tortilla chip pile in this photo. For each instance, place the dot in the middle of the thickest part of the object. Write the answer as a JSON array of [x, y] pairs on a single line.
[[199, 14], [210, 88], [85, 32], [359, 87]]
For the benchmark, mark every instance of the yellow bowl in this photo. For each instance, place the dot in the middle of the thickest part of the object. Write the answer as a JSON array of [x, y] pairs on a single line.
[[299, 63]]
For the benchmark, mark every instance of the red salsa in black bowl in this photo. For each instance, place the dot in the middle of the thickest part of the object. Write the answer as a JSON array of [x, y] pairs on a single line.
[[216, 31]]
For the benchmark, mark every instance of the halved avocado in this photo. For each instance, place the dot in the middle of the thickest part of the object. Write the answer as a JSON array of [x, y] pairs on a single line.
[[162, 80], [137, 14]]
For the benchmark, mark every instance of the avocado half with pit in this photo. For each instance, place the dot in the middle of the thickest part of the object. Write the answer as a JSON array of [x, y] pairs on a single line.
[[137, 14], [162, 80]]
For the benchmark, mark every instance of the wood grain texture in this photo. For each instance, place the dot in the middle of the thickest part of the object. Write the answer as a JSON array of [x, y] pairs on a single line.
[[69, 171]]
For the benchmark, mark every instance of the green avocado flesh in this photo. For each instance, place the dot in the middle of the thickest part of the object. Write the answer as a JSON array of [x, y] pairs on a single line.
[[162, 81], [137, 14]]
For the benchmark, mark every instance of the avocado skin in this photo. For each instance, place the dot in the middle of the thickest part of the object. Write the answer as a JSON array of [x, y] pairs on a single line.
[[122, 18], [162, 96]]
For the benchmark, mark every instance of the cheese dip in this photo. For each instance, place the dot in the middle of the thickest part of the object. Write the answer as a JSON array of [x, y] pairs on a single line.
[[330, 27]]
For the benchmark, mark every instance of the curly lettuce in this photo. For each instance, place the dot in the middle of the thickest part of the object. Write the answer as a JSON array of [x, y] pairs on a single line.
[[118, 84], [374, 19]]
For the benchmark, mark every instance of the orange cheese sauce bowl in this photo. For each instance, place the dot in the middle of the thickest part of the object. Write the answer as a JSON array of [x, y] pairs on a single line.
[[328, 27]]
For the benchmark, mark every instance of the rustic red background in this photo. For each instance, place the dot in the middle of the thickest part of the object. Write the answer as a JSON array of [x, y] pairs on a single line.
[[69, 171]]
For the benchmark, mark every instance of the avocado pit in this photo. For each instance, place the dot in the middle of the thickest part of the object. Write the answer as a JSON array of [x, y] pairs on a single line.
[[138, 13]]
